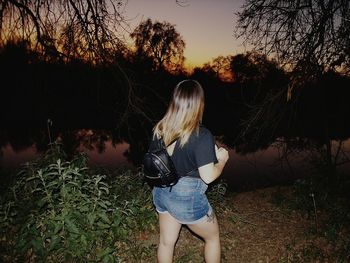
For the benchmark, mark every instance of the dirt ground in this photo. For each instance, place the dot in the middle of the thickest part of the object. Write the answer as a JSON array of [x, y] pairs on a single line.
[[253, 229]]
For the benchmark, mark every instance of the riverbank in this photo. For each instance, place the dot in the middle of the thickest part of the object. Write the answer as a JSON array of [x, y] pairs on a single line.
[[255, 229], [62, 211]]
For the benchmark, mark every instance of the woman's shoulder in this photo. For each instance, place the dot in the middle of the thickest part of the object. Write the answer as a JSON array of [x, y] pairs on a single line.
[[204, 131], [203, 143], [202, 134]]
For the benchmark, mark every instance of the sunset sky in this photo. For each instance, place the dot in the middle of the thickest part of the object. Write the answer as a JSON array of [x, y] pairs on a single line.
[[205, 25]]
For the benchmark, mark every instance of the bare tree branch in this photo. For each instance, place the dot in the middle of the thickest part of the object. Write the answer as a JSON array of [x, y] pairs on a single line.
[[90, 30], [299, 32], [43, 22]]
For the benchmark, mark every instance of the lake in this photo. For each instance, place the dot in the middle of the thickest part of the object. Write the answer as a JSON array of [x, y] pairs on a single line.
[[242, 172]]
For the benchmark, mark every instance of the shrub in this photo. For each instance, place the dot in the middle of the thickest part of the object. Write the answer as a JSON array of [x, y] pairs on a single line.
[[58, 210]]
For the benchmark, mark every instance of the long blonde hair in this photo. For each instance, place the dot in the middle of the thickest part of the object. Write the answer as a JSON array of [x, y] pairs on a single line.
[[184, 113]]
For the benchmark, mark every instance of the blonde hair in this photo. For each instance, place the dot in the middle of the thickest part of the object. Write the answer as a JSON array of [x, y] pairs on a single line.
[[184, 113]]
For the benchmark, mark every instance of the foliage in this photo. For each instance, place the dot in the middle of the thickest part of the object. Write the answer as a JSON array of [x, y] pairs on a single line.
[[65, 29], [308, 35], [220, 67], [262, 87], [159, 42], [59, 211], [257, 75], [216, 192], [310, 39]]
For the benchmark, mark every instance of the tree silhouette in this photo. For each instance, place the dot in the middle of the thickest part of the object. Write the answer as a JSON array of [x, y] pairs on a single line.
[[161, 43], [64, 31], [260, 80], [257, 76], [311, 36], [221, 66], [51, 25], [310, 39]]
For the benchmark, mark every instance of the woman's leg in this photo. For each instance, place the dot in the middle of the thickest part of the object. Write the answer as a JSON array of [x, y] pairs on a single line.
[[209, 231], [169, 233]]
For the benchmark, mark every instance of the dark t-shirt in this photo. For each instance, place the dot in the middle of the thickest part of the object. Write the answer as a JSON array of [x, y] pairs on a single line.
[[198, 151]]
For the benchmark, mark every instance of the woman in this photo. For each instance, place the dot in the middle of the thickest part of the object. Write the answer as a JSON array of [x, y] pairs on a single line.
[[195, 156]]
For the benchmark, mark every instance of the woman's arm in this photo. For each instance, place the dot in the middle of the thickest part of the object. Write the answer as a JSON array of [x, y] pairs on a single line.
[[210, 172]]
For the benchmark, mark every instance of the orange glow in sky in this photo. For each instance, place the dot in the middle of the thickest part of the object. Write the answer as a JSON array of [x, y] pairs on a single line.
[[205, 25]]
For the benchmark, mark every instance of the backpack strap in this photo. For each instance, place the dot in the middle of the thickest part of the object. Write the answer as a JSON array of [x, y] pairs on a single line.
[[163, 143]]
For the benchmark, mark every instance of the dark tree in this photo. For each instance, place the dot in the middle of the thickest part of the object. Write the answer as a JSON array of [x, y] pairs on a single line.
[[221, 66], [260, 81], [310, 38], [71, 30], [64, 29], [161, 43], [309, 35], [257, 76]]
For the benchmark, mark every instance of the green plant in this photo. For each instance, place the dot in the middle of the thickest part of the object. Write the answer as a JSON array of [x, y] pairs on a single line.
[[59, 211], [217, 192]]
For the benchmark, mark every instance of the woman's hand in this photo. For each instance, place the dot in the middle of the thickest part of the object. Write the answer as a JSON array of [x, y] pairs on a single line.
[[221, 154]]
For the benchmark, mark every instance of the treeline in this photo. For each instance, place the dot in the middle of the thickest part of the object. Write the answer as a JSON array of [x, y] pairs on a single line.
[[82, 94], [79, 94]]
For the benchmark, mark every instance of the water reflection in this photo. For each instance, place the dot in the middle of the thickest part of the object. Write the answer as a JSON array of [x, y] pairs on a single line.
[[12, 158], [107, 149], [100, 146], [262, 168], [113, 156]]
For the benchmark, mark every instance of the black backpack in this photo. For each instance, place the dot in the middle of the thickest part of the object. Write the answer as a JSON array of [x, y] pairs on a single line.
[[158, 168]]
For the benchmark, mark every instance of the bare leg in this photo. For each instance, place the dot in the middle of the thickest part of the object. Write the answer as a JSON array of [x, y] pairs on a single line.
[[209, 231], [169, 233]]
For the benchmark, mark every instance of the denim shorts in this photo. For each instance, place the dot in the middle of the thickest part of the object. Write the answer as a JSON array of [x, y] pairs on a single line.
[[186, 201]]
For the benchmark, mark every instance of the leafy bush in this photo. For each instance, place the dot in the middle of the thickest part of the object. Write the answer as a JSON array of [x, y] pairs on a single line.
[[58, 210], [216, 192]]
